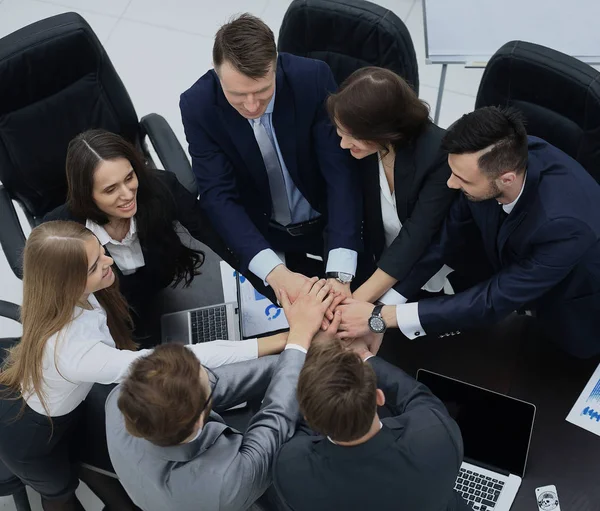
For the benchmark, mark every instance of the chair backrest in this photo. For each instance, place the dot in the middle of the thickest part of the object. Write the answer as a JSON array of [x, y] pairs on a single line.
[[348, 35], [558, 94], [56, 81]]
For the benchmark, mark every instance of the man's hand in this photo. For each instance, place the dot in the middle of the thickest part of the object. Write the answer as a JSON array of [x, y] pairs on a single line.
[[330, 333], [355, 318], [372, 341], [305, 315], [342, 290], [282, 278]]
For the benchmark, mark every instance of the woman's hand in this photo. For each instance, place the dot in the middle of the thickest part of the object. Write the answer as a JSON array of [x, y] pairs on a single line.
[[305, 315]]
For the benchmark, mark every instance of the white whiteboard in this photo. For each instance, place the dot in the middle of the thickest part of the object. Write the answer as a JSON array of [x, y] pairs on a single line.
[[470, 31]]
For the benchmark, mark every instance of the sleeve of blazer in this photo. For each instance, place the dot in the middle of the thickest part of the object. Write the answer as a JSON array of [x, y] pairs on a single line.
[[219, 195], [405, 395], [249, 475], [244, 381], [419, 230], [458, 230], [340, 171], [557, 247]]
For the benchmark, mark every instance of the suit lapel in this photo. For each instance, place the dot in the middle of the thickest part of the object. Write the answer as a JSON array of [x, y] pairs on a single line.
[[284, 123], [404, 172]]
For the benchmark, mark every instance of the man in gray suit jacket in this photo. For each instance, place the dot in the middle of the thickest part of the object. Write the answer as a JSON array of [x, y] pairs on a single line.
[[171, 451]]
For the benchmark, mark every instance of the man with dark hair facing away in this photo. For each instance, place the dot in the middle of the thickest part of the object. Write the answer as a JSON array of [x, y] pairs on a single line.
[[359, 462], [270, 170], [530, 211], [170, 447]]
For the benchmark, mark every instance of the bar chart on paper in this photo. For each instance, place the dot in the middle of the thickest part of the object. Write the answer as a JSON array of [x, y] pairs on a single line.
[[586, 411]]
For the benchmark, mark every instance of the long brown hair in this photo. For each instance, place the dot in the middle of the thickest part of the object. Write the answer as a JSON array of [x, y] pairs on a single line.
[[157, 210], [55, 268], [377, 105]]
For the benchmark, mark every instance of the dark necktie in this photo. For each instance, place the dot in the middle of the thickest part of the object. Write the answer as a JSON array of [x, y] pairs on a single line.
[[281, 208]]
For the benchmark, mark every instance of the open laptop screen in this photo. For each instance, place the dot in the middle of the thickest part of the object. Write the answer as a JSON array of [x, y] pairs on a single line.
[[496, 429]]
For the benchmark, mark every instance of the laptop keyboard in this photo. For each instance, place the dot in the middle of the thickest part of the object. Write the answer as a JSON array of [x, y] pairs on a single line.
[[209, 324], [481, 492]]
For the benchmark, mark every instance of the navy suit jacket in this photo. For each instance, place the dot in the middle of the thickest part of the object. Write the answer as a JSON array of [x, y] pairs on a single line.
[[545, 255], [231, 175]]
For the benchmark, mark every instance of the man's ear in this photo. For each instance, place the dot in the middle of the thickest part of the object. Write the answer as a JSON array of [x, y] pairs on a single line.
[[380, 397], [508, 178]]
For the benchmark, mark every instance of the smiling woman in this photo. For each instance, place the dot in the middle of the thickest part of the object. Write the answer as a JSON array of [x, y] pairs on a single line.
[[133, 210]]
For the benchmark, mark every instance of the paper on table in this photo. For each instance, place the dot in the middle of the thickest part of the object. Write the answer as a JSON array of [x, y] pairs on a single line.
[[586, 411], [259, 315]]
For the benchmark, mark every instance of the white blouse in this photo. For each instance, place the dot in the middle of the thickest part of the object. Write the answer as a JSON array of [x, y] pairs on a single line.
[[127, 253], [84, 353], [392, 227]]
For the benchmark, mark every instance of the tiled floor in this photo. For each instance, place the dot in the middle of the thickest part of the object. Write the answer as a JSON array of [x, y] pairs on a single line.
[[160, 47]]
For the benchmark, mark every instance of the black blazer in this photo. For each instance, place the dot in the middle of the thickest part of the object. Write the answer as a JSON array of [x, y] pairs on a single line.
[[411, 464], [422, 201], [157, 274]]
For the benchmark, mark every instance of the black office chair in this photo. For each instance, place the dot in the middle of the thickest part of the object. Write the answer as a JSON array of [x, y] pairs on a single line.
[[558, 94], [348, 35], [9, 483], [56, 81]]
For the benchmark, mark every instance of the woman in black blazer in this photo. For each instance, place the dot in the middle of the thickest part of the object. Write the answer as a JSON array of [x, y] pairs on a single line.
[[404, 172], [134, 211]]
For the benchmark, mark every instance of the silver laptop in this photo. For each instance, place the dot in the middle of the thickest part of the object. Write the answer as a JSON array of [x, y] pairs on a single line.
[[215, 322], [496, 431]]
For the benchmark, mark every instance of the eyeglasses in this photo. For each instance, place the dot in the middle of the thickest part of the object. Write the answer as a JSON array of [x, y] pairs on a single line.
[[213, 379]]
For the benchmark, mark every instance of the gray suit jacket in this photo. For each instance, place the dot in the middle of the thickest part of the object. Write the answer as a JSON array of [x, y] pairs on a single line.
[[223, 469]]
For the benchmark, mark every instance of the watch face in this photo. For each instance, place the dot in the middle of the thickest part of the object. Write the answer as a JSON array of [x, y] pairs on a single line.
[[376, 324], [344, 278]]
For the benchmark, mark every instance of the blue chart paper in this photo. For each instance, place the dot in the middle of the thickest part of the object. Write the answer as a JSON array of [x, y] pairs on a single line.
[[259, 315], [586, 412]]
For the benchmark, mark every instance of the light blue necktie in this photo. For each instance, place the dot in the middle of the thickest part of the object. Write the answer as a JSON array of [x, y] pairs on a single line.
[[281, 209]]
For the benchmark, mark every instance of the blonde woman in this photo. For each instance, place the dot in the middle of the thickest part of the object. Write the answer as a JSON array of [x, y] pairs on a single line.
[[76, 332]]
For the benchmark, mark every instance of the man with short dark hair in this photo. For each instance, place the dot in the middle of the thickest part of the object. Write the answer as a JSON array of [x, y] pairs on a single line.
[[408, 461], [533, 214], [169, 448], [271, 174]]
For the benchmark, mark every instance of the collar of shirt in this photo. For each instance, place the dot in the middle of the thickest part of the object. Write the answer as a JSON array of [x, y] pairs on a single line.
[[268, 111], [334, 442], [511, 205], [383, 183], [105, 238]]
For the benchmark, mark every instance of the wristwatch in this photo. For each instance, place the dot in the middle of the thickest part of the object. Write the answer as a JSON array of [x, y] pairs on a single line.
[[344, 278], [376, 323]]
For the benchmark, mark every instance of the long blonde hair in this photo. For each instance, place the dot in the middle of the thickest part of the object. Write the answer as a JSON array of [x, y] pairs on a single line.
[[55, 269]]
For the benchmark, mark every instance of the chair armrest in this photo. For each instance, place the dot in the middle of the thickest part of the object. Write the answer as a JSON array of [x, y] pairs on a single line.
[[12, 238], [169, 150], [10, 310]]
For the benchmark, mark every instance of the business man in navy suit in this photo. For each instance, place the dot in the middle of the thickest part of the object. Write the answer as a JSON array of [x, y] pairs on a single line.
[[269, 168], [536, 212]]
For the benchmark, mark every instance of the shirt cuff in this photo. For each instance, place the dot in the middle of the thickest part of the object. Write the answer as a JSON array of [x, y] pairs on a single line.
[[409, 323], [263, 263], [342, 260], [219, 353], [370, 356], [392, 297], [295, 347]]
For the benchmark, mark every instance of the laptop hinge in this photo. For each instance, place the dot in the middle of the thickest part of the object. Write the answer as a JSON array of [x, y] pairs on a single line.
[[492, 468]]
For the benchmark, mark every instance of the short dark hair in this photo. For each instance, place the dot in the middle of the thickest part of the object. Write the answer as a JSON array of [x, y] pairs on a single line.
[[377, 105], [502, 128], [337, 392], [162, 397], [248, 44]]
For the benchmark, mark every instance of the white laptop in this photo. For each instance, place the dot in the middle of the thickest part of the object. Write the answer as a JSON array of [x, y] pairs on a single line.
[[496, 431]]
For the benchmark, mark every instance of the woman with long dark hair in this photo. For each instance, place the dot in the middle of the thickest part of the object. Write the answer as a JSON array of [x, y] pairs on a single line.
[[404, 172], [76, 332], [134, 212]]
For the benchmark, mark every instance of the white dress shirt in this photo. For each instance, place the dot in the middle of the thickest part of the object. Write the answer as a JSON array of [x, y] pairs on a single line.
[[84, 353], [340, 259], [391, 228], [127, 254], [407, 315]]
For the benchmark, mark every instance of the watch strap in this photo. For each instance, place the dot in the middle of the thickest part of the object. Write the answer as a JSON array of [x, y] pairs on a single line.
[[377, 310]]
